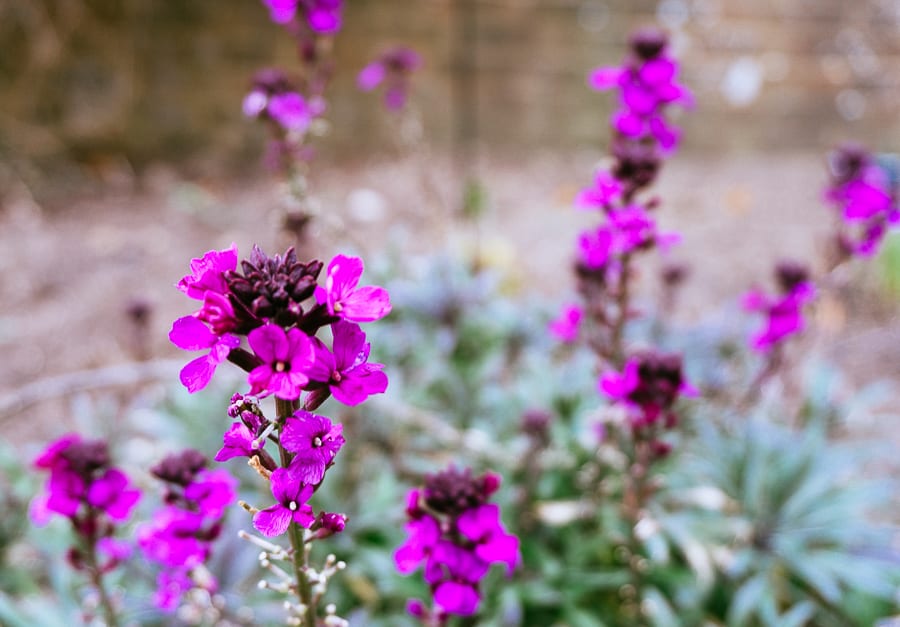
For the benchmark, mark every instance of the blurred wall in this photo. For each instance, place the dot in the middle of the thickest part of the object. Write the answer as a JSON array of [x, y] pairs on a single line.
[[98, 81]]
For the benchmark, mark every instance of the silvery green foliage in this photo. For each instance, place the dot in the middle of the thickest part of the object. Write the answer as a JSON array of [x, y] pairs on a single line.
[[787, 523]]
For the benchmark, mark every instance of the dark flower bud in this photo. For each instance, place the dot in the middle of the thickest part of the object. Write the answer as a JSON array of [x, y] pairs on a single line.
[[180, 468], [790, 274], [648, 43]]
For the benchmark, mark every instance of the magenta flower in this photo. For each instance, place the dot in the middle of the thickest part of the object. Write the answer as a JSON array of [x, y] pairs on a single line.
[[454, 574], [594, 248], [565, 327], [111, 494], [861, 193], [212, 491], [492, 544], [424, 534], [647, 84], [323, 16], [290, 495], [171, 586], [392, 68], [605, 191], [188, 333], [784, 315], [649, 386], [208, 273], [285, 359], [314, 441], [238, 441], [173, 538], [290, 111], [344, 299], [349, 376]]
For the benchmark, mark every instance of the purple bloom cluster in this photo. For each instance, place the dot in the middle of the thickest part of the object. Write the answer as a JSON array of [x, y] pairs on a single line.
[[322, 16], [274, 97], [310, 443], [91, 493], [647, 84], [862, 196], [278, 305], [180, 535], [458, 535], [783, 312], [393, 68], [648, 387]]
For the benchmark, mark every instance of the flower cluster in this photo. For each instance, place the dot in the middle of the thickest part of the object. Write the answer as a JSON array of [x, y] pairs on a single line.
[[274, 97], [309, 442], [861, 193], [180, 535], [458, 535], [648, 387], [647, 84], [94, 495], [322, 16], [603, 259], [278, 305], [783, 312], [393, 68]]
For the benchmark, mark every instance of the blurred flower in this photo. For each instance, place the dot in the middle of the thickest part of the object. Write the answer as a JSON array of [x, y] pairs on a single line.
[[458, 535], [649, 386], [565, 326], [393, 68]]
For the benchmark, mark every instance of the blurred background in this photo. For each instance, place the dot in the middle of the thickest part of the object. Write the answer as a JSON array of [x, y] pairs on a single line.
[[108, 85], [124, 151]]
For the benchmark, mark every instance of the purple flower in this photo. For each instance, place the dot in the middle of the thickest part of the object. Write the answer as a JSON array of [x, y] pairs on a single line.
[[238, 441], [290, 111], [784, 315], [424, 534], [595, 247], [314, 442], [454, 573], [290, 495], [173, 538], [350, 378], [188, 333], [492, 544], [344, 299], [285, 359], [393, 68], [207, 273], [649, 385], [647, 85], [605, 191], [171, 586], [323, 16], [565, 327], [212, 491], [111, 494]]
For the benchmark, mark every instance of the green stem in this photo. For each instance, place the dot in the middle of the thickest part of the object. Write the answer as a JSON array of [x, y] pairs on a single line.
[[96, 575], [283, 409]]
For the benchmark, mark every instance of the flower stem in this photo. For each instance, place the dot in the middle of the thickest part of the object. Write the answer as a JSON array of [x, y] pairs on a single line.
[[96, 575], [283, 409]]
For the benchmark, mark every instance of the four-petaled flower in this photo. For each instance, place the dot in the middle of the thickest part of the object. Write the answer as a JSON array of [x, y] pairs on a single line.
[[290, 506], [315, 441], [347, 372], [344, 299], [188, 333], [285, 359]]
